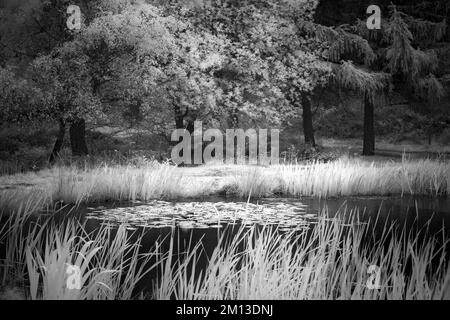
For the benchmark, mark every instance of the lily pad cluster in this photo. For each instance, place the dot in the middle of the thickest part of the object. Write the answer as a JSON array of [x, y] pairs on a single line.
[[205, 215]]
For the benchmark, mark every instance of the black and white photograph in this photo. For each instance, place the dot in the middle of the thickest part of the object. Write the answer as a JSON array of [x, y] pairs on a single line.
[[241, 152]]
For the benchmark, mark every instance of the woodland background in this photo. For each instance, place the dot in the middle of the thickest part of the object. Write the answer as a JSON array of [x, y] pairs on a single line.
[[139, 69]]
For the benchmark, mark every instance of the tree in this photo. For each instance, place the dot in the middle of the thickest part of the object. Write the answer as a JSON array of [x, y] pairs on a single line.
[[412, 69], [131, 63], [156, 64], [371, 61], [272, 67], [30, 29], [65, 80], [371, 86], [21, 101]]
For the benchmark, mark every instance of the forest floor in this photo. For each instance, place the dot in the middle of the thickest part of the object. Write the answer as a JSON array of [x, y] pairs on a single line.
[[355, 145], [385, 151]]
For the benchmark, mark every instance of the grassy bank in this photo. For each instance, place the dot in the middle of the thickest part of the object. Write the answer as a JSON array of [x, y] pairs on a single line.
[[330, 262], [344, 177]]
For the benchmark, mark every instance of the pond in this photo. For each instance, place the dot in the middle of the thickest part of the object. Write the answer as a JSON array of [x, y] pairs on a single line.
[[210, 214], [206, 220]]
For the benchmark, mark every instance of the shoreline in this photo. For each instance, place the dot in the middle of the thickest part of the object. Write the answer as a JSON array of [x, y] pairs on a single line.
[[341, 178]]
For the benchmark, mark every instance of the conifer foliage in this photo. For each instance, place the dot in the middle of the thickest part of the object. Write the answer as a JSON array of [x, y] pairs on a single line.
[[373, 62]]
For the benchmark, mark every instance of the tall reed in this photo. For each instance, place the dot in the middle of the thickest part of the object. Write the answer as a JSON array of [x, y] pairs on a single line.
[[347, 177], [38, 254], [344, 177], [126, 183], [330, 262]]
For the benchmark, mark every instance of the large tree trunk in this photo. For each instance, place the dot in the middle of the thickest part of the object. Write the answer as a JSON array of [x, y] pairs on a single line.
[[190, 126], [179, 117], [369, 130], [78, 137], [179, 123], [308, 129], [59, 141], [302, 100]]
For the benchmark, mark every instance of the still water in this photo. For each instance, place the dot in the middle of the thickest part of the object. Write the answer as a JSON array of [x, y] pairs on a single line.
[[208, 215], [206, 220]]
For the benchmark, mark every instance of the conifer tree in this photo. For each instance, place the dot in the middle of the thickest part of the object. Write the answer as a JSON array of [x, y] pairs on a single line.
[[372, 62]]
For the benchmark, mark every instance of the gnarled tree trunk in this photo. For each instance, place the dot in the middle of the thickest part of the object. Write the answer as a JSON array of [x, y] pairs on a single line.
[[78, 137], [179, 117], [59, 141]]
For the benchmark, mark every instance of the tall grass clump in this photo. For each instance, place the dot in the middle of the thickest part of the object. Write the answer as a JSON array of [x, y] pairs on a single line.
[[252, 182], [347, 177], [331, 261], [124, 183], [17, 200], [109, 265], [38, 254], [152, 180]]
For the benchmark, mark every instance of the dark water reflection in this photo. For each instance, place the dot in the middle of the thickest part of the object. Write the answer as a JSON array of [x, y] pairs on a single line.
[[412, 213], [205, 220], [205, 216]]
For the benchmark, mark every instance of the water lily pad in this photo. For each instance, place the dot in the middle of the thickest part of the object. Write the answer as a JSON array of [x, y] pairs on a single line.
[[202, 215]]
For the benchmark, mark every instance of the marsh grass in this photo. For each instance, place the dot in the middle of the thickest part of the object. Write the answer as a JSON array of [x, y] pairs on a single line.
[[74, 185], [347, 177], [38, 254], [331, 260], [344, 177]]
